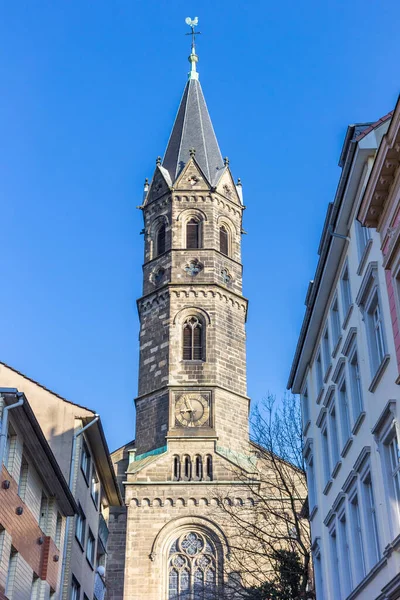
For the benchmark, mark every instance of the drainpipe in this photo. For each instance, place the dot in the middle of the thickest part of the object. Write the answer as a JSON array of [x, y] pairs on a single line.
[[4, 425], [71, 479]]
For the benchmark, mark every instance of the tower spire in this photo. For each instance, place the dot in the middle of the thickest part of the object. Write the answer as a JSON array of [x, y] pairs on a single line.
[[193, 58]]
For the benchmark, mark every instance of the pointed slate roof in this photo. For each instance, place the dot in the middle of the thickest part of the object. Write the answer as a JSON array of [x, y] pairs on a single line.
[[193, 129]]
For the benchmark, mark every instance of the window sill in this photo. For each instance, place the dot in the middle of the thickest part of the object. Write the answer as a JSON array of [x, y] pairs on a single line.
[[80, 543], [394, 545], [320, 394], [358, 423], [378, 567], [95, 502], [379, 373], [336, 469], [346, 447], [327, 373], [337, 346], [313, 513], [328, 486], [306, 427], [89, 563], [364, 257], [193, 362], [347, 317]]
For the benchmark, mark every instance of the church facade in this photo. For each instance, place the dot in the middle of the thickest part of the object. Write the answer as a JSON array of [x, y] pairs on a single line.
[[192, 449]]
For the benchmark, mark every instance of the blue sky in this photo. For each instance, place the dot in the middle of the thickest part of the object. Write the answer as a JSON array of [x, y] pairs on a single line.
[[89, 94]]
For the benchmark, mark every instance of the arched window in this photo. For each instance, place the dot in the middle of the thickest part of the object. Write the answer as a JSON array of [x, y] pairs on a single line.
[[177, 468], [187, 468], [192, 568], [223, 240], [160, 240], [199, 468], [193, 234], [193, 339], [209, 467]]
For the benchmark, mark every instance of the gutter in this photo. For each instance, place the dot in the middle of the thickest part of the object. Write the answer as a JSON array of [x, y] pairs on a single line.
[[4, 423], [71, 479]]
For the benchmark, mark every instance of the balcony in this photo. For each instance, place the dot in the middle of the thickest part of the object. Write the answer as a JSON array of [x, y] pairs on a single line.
[[99, 588], [103, 532]]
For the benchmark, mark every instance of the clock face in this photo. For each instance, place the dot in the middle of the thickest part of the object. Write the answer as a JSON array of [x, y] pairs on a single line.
[[192, 410]]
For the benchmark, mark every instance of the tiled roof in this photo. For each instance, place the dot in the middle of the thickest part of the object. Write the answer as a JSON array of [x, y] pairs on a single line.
[[373, 126], [193, 129], [45, 388]]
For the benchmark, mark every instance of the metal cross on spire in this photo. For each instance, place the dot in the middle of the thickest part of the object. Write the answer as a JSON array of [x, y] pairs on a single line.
[[193, 58], [192, 24]]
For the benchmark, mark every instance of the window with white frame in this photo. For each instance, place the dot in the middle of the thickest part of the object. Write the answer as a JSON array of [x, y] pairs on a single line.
[[309, 462], [23, 478], [355, 383], [357, 539], [12, 573], [326, 464], [319, 583], [80, 526], [363, 236], [335, 322], [95, 487], [370, 304], [370, 519], [333, 431], [334, 563], [346, 291], [344, 552], [305, 408], [393, 460], [85, 461], [91, 548], [43, 514], [318, 373], [387, 436], [326, 350], [343, 400], [75, 592]]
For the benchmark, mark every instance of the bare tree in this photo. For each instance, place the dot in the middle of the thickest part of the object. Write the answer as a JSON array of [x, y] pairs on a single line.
[[269, 536]]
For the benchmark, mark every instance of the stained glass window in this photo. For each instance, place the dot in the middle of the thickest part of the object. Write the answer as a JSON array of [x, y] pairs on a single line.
[[192, 568]]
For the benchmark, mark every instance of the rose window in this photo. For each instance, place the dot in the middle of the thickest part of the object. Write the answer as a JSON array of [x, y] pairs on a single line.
[[192, 573]]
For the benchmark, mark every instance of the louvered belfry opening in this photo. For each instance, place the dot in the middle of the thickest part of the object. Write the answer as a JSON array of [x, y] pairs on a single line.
[[193, 234], [160, 241], [193, 339], [223, 240]]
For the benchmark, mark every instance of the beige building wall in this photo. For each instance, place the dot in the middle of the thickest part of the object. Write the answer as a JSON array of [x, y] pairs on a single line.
[[59, 420]]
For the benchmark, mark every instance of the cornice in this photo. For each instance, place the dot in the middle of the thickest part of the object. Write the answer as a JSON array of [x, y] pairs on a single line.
[[193, 251], [198, 386], [194, 289]]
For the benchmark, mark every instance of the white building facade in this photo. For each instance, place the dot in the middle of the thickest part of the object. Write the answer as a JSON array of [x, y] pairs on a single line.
[[345, 371]]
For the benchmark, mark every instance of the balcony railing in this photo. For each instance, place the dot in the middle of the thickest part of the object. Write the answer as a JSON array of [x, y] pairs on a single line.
[[103, 532], [99, 588]]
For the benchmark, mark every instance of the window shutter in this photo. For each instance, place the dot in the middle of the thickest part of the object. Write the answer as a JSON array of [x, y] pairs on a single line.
[[197, 343], [223, 240], [192, 234], [187, 343], [161, 240]]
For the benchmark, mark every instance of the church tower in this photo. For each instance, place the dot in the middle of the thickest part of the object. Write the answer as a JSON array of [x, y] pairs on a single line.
[[192, 408]]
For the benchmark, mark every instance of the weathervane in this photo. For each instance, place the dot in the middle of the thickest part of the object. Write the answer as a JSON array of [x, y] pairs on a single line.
[[193, 58], [192, 24]]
